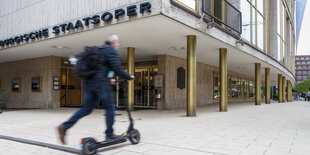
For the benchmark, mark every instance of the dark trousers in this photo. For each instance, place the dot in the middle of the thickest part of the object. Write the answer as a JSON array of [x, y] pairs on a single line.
[[91, 98]]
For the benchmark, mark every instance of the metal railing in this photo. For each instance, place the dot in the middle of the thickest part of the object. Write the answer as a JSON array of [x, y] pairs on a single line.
[[223, 13]]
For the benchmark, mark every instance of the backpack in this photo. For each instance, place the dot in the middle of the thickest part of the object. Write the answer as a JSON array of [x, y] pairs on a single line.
[[87, 66]]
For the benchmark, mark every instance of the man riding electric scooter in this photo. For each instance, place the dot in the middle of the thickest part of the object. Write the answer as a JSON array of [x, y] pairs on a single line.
[[97, 86]]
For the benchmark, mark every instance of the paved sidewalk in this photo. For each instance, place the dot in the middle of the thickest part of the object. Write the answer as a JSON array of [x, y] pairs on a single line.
[[246, 129]]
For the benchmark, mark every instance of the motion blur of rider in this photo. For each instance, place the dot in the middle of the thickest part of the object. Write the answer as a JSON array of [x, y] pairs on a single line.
[[98, 87]]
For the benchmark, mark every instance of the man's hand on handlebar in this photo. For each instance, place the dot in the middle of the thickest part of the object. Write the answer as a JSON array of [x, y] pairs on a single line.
[[113, 81]]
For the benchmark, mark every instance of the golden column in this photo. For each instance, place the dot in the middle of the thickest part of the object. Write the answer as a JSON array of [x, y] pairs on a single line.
[[257, 83], [283, 89], [267, 85], [223, 79], [289, 91], [131, 71], [279, 88], [191, 75]]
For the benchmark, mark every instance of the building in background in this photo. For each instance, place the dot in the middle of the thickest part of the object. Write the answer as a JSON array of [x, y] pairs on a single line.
[[300, 10], [302, 67], [184, 53]]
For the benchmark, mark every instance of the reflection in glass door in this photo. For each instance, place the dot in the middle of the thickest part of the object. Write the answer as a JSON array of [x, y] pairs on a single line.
[[70, 94]]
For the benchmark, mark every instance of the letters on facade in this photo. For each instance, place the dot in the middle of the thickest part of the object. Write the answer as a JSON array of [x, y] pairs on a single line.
[[95, 19]]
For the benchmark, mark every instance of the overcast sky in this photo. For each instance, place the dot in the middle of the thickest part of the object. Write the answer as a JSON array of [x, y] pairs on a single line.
[[304, 37]]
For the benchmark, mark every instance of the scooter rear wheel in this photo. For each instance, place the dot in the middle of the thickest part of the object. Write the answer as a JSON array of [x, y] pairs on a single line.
[[85, 146], [135, 137]]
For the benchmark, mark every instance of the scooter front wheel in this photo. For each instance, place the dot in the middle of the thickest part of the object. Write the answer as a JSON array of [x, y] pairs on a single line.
[[87, 142], [135, 137]]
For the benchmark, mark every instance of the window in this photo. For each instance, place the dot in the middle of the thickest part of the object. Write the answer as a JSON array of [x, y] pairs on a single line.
[[281, 31], [308, 72], [190, 4], [304, 72], [246, 20], [251, 89], [304, 77], [298, 63], [308, 62], [299, 77], [305, 67], [307, 58], [303, 63], [254, 26], [216, 85], [244, 84], [263, 91], [229, 87], [308, 67], [253, 22], [260, 26], [297, 58], [302, 58], [235, 88], [260, 5], [299, 67], [292, 48], [299, 72], [218, 11]]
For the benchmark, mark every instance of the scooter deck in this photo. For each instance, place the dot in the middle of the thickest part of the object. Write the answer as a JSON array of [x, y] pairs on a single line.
[[108, 143]]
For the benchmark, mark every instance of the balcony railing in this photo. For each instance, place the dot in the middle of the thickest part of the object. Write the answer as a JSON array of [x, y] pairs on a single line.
[[222, 13]]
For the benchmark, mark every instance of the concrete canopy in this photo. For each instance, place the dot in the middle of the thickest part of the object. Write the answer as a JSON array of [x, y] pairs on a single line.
[[152, 36]]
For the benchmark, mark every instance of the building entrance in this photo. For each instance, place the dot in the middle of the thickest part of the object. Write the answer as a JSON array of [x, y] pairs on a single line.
[[144, 88], [70, 94]]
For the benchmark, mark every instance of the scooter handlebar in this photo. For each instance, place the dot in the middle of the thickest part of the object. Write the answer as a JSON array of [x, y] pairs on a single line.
[[122, 80]]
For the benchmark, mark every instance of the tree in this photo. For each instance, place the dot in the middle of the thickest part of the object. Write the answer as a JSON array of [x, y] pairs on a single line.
[[303, 86]]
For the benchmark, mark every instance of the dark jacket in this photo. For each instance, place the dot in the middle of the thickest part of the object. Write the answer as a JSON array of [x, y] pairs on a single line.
[[108, 60]]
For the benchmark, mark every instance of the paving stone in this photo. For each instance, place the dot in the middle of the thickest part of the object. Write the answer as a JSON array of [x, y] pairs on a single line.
[[244, 130]]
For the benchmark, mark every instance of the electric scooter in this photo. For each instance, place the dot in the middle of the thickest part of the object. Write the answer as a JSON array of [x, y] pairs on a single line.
[[89, 145]]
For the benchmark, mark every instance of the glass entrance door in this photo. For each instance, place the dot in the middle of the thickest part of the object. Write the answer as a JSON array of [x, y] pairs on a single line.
[[152, 90], [144, 90], [70, 94], [141, 87], [144, 87]]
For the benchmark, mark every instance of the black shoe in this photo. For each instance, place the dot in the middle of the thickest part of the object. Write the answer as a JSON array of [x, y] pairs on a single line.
[[61, 133], [113, 137]]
